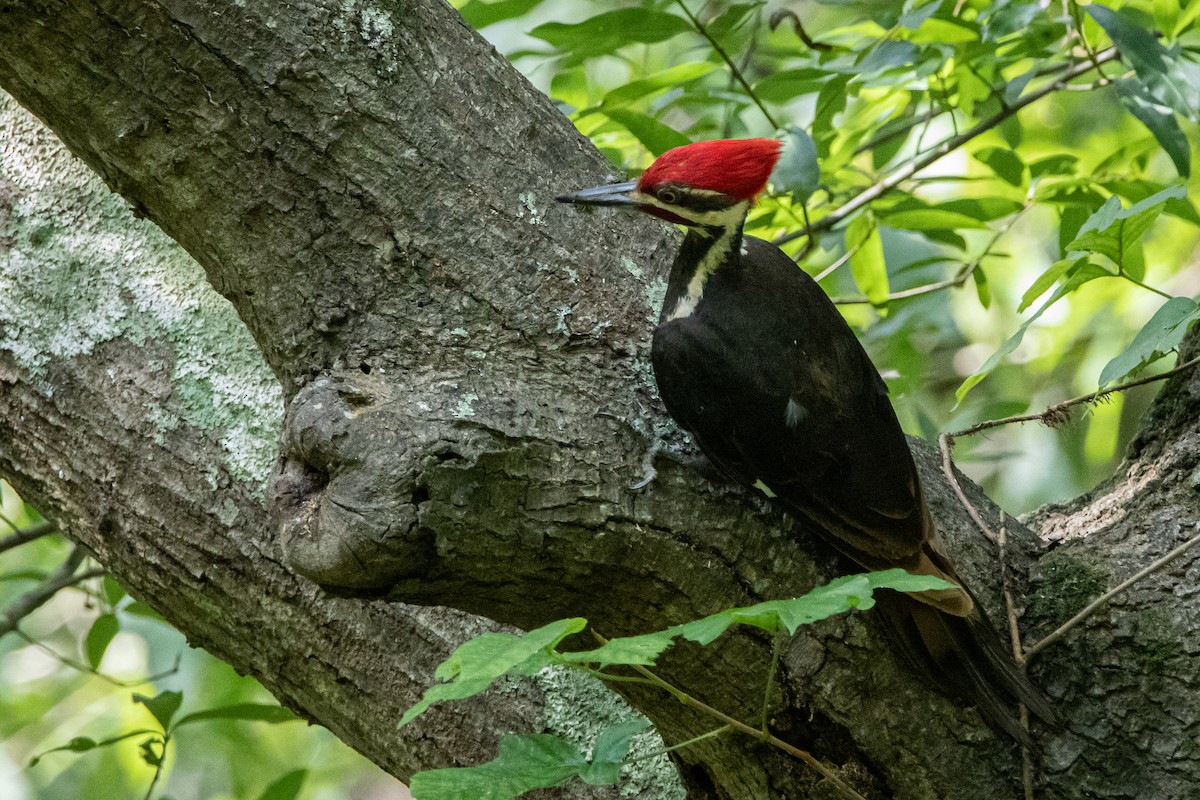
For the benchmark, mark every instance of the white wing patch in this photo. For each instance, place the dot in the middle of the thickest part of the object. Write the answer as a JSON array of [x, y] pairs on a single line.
[[794, 414]]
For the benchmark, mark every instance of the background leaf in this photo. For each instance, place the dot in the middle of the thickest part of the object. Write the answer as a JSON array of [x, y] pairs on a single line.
[[1159, 336]]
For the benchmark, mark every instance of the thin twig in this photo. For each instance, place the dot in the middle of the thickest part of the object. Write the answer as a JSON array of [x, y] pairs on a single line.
[[849, 254], [945, 442], [25, 535], [694, 740], [88, 670], [965, 271], [56, 581], [1103, 599], [729, 62], [779, 16], [885, 185], [1055, 414], [1018, 650], [769, 738]]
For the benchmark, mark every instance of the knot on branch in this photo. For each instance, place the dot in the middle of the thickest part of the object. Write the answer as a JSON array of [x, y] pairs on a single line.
[[346, 495]]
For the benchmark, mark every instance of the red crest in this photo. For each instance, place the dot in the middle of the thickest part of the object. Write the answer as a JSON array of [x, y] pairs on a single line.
[[738, 168]]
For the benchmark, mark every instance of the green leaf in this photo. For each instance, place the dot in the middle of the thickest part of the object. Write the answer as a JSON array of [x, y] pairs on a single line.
[[657, 137], [1058, 164], [82, 744], [605, 33], [921, 219], [99, 637], [162, 706], [671, 78], [866, 262], [609, 751], [642, 649], [1048, 279], [984, 209], [477, 663], [1159, 336], [140, 609], [943, 31], [1114, 232], [982, 289], [731, 19], [250, 712], [287, 787], [798, 171], [1078, 276], [1160, 121], [112, 590], [1004, 162], [842, 594], [785, 85], [1171, 80], [479, 14], [524, 763]]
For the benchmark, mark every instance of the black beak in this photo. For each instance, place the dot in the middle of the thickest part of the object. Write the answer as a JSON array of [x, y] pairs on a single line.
[[614, 194]]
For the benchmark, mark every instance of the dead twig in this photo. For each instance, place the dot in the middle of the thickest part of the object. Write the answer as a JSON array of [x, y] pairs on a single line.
[[1103, 599], [1057, 414]]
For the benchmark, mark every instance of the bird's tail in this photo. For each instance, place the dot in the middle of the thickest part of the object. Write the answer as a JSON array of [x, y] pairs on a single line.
[[965, 657]]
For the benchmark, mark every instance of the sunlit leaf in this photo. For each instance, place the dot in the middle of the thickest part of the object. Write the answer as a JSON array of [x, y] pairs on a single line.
[[479, 14], [524, 763], [611, 30], [1159, 336], [1004, 162], [920, 219], [161, 706], [655, 136], [286, 787], [866, 259], [99, 637], [1113, 231], [671, 78], [249, 712], [642, 649], [842, 594], [477, 663], [798, 171], [1160, 121]]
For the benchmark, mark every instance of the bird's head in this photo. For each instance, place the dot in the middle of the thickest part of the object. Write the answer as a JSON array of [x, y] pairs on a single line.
[[706, 183]]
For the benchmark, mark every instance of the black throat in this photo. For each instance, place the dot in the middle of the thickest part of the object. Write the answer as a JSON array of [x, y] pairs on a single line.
[[705, 250]]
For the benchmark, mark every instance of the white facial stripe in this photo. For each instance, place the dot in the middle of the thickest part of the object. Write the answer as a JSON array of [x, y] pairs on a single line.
[[716, 254]]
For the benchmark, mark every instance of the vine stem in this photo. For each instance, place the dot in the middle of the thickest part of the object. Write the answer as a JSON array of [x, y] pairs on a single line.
[[885, 185], [1103, 599], [729, 62], [1055, 413], [692, 702], [960, 277]]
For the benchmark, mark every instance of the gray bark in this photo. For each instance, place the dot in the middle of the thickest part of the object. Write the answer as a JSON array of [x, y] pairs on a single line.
[[468, 399]]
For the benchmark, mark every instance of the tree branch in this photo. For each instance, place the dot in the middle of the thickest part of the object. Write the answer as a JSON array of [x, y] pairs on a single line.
[[920, 162]]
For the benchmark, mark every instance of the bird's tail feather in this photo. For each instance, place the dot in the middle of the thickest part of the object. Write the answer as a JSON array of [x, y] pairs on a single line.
[[966, 658]]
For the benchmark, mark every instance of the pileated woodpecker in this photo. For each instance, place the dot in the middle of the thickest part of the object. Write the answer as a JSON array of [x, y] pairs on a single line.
[[753, 359]]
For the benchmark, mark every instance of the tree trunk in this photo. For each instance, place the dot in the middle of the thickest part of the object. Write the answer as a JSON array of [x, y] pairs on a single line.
[[468, 395]]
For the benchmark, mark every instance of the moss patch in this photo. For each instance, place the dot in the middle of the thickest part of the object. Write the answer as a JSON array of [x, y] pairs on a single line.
[[1069, 583]]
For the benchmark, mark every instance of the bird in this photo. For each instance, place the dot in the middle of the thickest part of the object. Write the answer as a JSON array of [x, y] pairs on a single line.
[[753, 359]]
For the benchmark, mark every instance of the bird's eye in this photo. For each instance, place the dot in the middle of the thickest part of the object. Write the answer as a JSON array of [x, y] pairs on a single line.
[[668, 196]]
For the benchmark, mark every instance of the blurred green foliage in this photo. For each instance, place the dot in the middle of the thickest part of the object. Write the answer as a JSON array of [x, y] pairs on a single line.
[[59, 688]]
